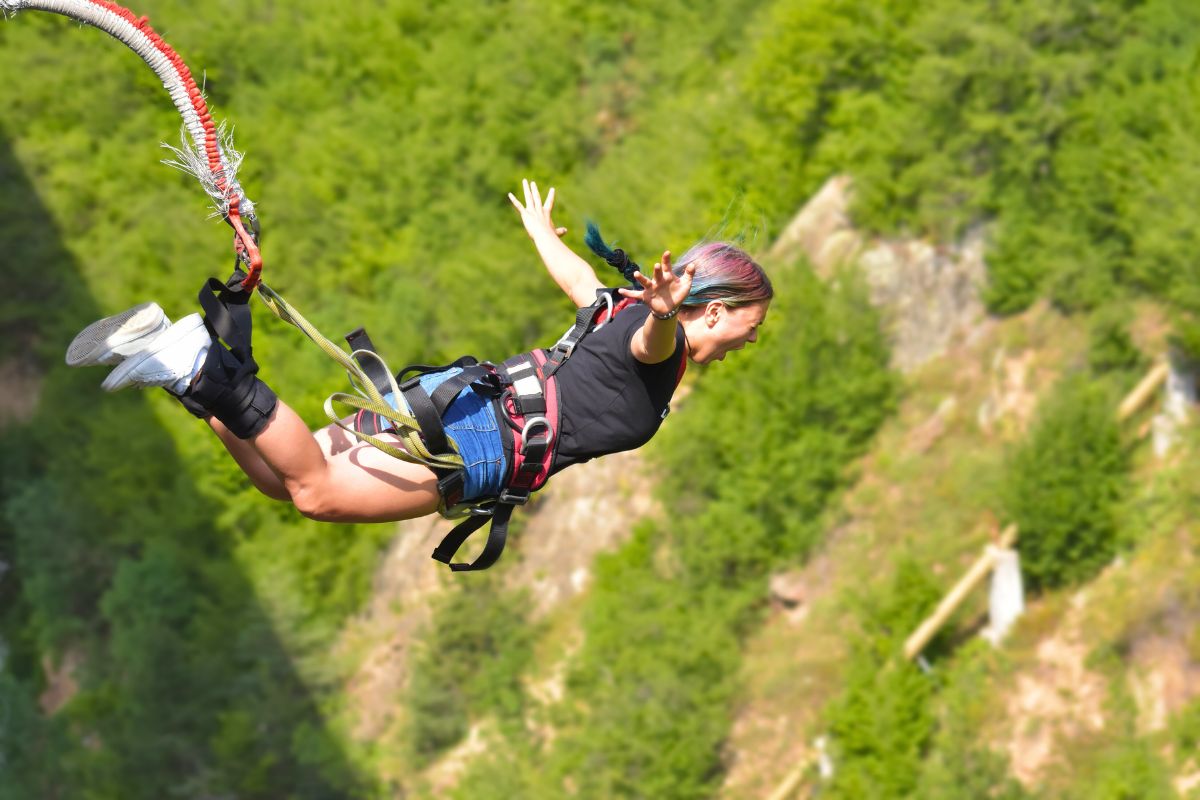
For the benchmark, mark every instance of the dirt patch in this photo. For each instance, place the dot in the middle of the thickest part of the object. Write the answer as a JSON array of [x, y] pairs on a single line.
[[746, 767], [445, 774], [20, 389], [925, 435], [1163, 681], [1010, 394], [1058, 698], [406, 582], [61, 684], [587, 510]]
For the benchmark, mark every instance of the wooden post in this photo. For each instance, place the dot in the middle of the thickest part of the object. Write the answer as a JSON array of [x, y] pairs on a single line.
[[1141, 393], [950, 603], [786, 789]]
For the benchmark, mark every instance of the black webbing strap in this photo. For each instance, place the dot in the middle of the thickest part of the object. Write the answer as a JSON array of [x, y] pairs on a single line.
[[566, 345], [373, 367], [227, 317], [491, 550], [428, 409], [585, 318]]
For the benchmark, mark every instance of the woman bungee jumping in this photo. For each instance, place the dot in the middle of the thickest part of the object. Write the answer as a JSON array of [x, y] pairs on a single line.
[[604, 388], [470, 439]]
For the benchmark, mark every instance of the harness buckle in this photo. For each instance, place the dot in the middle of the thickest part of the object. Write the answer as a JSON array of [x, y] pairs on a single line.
[[531, 423], [608, 311], [566, 347], [450, 487], [509, 498]]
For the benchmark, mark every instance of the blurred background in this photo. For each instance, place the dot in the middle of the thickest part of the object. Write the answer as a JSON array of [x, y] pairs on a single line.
[[981, 223]]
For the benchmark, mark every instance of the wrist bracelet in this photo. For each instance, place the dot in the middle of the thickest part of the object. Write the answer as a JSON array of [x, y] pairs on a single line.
[[669, 315]]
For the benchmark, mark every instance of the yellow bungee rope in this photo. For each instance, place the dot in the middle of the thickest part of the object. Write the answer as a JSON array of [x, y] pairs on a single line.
[[366, 396]]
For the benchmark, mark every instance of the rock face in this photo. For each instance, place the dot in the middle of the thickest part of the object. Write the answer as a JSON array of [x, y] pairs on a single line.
[[928, 296], [588, 509]]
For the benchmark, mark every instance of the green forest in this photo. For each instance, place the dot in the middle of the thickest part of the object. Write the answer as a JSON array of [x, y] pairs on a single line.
[[197, 618]]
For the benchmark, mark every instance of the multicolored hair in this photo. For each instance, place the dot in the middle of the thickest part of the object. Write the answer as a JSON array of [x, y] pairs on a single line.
[[724, 272]]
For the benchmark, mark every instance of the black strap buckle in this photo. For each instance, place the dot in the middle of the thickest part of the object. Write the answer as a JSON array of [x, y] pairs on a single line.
[[514, 496], [451, 486]]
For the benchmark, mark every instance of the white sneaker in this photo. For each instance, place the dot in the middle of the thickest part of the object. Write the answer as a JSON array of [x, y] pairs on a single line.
[[111, 339], [170, 360]]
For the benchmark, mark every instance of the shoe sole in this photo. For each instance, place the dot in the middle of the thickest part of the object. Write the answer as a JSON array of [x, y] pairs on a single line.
[[119, 377], [97, 341]]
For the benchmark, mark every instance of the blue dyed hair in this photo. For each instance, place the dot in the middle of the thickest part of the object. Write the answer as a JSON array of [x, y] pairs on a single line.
[[724, 272], [617, 259]]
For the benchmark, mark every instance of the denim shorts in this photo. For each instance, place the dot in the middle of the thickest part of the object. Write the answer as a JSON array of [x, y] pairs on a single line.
[[470, 421]]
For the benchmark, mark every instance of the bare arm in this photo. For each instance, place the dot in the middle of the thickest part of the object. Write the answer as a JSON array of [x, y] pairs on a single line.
[[572, 274]]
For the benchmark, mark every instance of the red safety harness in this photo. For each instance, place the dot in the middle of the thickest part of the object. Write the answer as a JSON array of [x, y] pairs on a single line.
[[524, 393]]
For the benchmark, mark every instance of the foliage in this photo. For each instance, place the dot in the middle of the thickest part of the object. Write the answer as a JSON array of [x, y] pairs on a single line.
[[882, 723], [1064, 484], [960, 762], [653, 682], [766, 439], [469, 665], [1129, 769], [663, 628], [652, 687], [381, 144], [1110, 347]]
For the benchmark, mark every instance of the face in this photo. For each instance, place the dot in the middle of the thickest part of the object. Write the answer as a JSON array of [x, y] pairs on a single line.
[[721, 329]]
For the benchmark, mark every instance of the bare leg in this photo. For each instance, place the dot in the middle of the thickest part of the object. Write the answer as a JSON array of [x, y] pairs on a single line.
[[330, 476], [265, 479]]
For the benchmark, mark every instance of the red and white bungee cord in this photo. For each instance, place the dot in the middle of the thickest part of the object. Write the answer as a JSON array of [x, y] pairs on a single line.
[[211, 158], [210, 155]]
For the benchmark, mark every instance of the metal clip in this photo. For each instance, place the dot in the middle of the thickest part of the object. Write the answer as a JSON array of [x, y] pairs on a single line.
[[530, 423], [609, 302]]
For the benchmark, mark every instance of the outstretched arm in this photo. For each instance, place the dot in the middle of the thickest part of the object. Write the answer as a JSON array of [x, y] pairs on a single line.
[[572, 274]]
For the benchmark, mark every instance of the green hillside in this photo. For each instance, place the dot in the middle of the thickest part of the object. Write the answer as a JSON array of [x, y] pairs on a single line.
[[167, 632]]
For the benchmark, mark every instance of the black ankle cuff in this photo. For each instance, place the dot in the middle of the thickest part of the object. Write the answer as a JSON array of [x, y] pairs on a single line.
[[193, 408], [233, 393]]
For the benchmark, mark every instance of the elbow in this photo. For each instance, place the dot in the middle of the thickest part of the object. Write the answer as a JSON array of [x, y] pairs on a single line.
[[316, 503]]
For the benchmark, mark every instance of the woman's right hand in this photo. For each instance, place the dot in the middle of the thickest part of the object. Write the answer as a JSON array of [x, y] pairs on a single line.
[[535, 214]]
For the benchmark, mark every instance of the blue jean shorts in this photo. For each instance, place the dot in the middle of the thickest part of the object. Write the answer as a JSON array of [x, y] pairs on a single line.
[[470, 421]]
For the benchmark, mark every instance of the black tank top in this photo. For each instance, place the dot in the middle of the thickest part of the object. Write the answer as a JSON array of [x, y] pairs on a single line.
[[610, 401]]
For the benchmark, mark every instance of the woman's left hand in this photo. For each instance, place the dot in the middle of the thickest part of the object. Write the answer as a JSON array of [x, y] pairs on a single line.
[[665, 291]]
